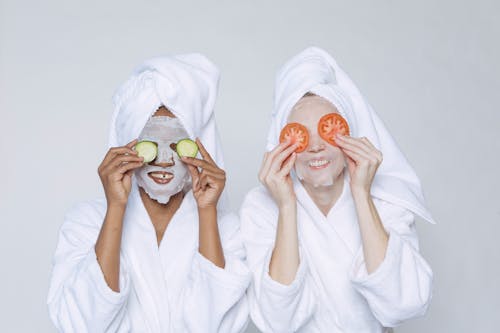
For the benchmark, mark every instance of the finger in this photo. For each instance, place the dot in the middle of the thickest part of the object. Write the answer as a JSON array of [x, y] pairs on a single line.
[[277, 163], [356, 147], [375, 152], [122, 159], [351, 164], [288, 165], [264, 167], [118, 161], [207, 181], [368, 142], [203, 182], [199, 163], [270, 156], [129, 166], [354, 142], [129, 173], [355, 156], [216, 175], [204, 153], [113, 152], [264, 159], [195, 176], [131, 143], [369, 158]]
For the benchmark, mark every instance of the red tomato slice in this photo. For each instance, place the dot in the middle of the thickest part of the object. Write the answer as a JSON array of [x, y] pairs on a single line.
[[295, 132], [331, 124]]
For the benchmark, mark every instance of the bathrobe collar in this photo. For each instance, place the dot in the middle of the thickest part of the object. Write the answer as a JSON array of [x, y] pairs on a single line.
[[147, 260]]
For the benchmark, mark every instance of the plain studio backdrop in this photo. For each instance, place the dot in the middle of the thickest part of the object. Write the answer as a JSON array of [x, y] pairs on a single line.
[[429, 68]]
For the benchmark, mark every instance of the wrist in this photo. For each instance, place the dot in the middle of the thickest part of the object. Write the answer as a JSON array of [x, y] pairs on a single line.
[[207, 208], [116, 206], [360, 194], [289, 205], [285, 200]]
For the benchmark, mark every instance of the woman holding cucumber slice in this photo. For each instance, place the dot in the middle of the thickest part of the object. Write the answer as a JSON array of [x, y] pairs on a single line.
[[330, 236], [160, 253]]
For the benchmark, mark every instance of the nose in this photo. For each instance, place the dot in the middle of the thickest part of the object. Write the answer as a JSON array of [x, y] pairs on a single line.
[[316, 143], [164, 158]]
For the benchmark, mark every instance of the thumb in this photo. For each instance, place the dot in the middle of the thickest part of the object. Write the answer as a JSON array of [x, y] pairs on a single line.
[[351, 164], [127, 179], [195, 176]]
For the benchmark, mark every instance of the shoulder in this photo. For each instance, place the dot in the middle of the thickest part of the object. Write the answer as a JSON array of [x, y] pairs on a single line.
[[258, 197], [258, 208], [89, 213]]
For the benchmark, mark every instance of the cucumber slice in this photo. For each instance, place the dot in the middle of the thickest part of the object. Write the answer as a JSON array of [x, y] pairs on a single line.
[[186, 147], [147, 149]]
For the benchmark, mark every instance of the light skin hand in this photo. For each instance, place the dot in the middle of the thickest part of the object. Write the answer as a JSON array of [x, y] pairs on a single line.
[[208, 183], [275, 173], [363, 160], [275, 176]]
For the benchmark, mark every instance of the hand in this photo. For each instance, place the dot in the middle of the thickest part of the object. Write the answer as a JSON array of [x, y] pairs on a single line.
[[207, 183], [363, 160], [275, 173], [116, 171]]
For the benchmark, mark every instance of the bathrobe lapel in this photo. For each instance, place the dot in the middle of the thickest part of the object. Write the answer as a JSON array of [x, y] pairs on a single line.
[[330, 244], [143, 256]]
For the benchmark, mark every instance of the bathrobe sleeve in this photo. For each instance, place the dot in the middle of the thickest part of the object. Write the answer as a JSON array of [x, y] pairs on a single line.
[[274, 307], [401, 287], [79, 298], [214, 298]]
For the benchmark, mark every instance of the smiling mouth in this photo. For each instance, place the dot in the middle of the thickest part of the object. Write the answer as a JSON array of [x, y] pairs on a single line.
[[319, 164], [161, 177]]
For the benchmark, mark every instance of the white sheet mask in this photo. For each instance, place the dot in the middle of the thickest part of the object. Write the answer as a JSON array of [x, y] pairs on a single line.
[[164, 131], [321, 163]]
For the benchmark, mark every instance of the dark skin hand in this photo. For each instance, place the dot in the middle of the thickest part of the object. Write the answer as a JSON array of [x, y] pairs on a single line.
[[115, 172], [208, 183]]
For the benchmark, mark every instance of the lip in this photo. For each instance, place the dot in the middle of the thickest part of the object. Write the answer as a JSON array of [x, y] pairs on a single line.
[[160, 180], [321, 166]]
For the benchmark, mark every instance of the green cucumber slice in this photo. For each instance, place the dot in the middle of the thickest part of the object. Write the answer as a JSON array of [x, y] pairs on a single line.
[[147, 149], [186, 147]]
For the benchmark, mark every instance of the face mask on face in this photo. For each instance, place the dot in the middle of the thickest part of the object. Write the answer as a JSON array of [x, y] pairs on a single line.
[[321, 168], [321, 163], [167, 174]]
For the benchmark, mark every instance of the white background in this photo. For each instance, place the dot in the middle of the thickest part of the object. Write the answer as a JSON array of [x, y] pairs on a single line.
[[429, 68]]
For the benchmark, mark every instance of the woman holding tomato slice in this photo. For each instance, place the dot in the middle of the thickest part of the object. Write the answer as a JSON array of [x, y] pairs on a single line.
[[330, 235]]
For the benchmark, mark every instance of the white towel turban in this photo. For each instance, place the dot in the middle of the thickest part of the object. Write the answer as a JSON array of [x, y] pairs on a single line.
[[186, 84]]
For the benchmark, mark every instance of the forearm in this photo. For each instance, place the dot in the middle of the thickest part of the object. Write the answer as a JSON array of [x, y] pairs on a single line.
[[373, 234], [209, 239], [108, 244], [285, 257]]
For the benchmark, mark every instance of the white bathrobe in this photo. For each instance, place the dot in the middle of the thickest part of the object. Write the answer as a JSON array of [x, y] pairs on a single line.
[[332, 291], [165, 288]]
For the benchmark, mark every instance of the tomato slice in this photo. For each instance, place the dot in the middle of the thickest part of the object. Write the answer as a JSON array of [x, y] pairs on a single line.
[[295, 132], [331, 124]]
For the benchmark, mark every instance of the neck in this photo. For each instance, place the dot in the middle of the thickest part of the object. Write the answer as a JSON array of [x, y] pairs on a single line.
[[325, 197]]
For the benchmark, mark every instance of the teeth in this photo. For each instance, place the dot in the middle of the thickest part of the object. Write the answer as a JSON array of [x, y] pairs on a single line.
[[318, 163], [161, 175]]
